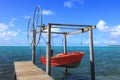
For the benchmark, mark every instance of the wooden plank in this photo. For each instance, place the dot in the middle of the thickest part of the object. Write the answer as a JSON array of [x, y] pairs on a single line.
[[26, 70]]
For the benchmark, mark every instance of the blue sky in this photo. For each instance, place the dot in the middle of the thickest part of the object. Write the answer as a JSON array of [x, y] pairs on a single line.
[[105, 14]]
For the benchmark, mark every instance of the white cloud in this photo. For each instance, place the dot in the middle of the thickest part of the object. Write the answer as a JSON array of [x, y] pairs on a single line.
[[114, 42], [54, 29], [106, 42], [44, 12], [87, 42], [27, 17], [113, 30], [116, 31], [11, 23], [102, 26], [71, 3], [47, 12], [110, 42], [6, 38], [5, 32], [3, 27], [68, 4], [96, 42], [11, 33]]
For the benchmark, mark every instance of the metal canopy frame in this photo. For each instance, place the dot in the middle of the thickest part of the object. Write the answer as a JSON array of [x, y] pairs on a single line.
[[81, 29], [78, 28]]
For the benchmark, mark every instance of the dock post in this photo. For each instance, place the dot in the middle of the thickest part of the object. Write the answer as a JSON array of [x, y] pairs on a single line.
[[48, 52], [65, 51], [91, 54], [34, 46]]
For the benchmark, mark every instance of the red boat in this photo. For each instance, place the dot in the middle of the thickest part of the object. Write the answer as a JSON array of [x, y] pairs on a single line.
[[71, 59]]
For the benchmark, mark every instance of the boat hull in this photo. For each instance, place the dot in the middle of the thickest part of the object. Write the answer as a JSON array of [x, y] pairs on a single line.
[[71, 59]]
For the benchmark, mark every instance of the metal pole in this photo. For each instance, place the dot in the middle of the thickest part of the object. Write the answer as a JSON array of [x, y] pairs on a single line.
[[65, 44], [48, 52], [34, 46], [65, 51], [91, 54]]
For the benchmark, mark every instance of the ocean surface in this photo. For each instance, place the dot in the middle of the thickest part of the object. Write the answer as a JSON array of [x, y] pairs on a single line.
[[107, 62]]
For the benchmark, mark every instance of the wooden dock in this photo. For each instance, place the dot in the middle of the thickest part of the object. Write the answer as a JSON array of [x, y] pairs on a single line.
[[26, 70]]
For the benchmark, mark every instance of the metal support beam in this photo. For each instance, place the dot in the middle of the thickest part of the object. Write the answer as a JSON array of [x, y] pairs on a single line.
[[34, 46], [81, 30], [48, 52], [55, 32], [77, 25], [65, 44], [65, 51], [91, 54]]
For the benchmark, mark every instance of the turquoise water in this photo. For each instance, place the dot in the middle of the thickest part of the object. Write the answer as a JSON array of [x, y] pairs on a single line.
[[107, 62]]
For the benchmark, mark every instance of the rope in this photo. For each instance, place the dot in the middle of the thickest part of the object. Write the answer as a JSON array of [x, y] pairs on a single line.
[[81, 39], [43, 39], [41, 47]]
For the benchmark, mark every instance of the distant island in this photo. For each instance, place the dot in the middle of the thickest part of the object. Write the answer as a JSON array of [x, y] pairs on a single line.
[[114, 45]]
